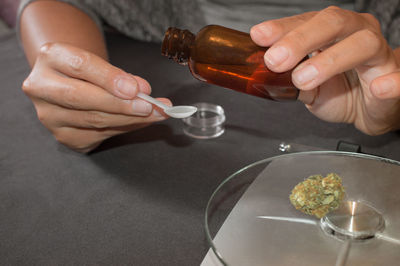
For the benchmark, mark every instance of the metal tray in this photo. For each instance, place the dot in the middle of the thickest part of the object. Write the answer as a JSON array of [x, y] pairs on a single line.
[[250, 221]]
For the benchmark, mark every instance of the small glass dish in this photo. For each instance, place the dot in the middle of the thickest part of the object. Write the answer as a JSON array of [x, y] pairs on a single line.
[[208, 122]]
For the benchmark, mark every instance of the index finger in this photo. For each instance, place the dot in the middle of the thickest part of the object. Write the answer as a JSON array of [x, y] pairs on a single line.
[[268, 32], [80, 64]]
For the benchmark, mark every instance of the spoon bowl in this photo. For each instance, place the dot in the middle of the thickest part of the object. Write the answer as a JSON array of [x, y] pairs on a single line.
[[179, 111]]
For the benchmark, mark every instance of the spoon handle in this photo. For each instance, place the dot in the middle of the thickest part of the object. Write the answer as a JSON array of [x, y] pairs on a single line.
[[152, 100]]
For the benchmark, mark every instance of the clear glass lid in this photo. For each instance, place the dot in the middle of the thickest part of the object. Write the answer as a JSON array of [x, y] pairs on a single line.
[[250, 221]]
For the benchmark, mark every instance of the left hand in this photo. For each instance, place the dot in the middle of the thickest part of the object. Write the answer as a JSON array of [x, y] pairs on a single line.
[[352, 76], [83, 100]]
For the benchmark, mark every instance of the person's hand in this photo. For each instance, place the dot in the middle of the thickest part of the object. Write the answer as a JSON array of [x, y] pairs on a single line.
[[352, 76], [83, 100]]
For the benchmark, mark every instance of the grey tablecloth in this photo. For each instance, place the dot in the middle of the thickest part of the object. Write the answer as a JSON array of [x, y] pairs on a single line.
[[140, 198]]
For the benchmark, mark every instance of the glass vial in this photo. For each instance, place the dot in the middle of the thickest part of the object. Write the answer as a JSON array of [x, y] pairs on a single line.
[[230, 59]]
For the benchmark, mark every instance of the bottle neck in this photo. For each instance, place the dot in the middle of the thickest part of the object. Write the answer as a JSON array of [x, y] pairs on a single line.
[[176, 45]]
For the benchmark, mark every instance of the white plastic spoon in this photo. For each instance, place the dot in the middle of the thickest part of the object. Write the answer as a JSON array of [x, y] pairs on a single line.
[[180, 111]]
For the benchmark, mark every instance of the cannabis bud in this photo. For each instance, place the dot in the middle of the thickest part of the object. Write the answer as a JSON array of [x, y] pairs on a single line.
[[318, 195]]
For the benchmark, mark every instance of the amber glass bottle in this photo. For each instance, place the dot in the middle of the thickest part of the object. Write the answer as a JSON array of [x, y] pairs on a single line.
[[228, 58]]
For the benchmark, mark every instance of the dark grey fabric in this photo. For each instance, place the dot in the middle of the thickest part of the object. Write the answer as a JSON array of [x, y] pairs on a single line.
[[388, 14], [140, 198], [148, 20]]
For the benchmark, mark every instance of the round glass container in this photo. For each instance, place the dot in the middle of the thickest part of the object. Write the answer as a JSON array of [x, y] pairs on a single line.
[[249, 219], [207, 122]]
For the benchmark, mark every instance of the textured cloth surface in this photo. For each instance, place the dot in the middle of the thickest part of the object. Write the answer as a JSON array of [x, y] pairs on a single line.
[[140, 198], [143, 20], [8, 11], [242, 15], [148, 20], [388, 14]]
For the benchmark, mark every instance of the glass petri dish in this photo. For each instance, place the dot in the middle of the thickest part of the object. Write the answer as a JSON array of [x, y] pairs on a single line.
[[249, 219], [207, 123]]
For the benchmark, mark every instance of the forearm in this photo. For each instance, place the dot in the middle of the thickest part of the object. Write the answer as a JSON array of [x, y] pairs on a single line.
[[51, 21]]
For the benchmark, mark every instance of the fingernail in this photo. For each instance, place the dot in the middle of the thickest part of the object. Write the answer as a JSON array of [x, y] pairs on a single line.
[[305, 74], [276, 55], [141, 107], [265, 30], [385, 86], [126, 87], [158, 113], [261, 32]]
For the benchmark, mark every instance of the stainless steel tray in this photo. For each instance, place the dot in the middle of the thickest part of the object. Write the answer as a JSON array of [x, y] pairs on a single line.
[[250, 221]]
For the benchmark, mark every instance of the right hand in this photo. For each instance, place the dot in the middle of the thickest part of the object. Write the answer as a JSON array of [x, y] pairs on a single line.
[[353, 75], [83, 100]]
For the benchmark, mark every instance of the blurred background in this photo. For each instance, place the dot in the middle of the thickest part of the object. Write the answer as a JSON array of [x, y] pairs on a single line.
[[8, 13]]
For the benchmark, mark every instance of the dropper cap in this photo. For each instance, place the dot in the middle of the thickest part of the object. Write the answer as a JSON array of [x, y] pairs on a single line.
[[176, 45]]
